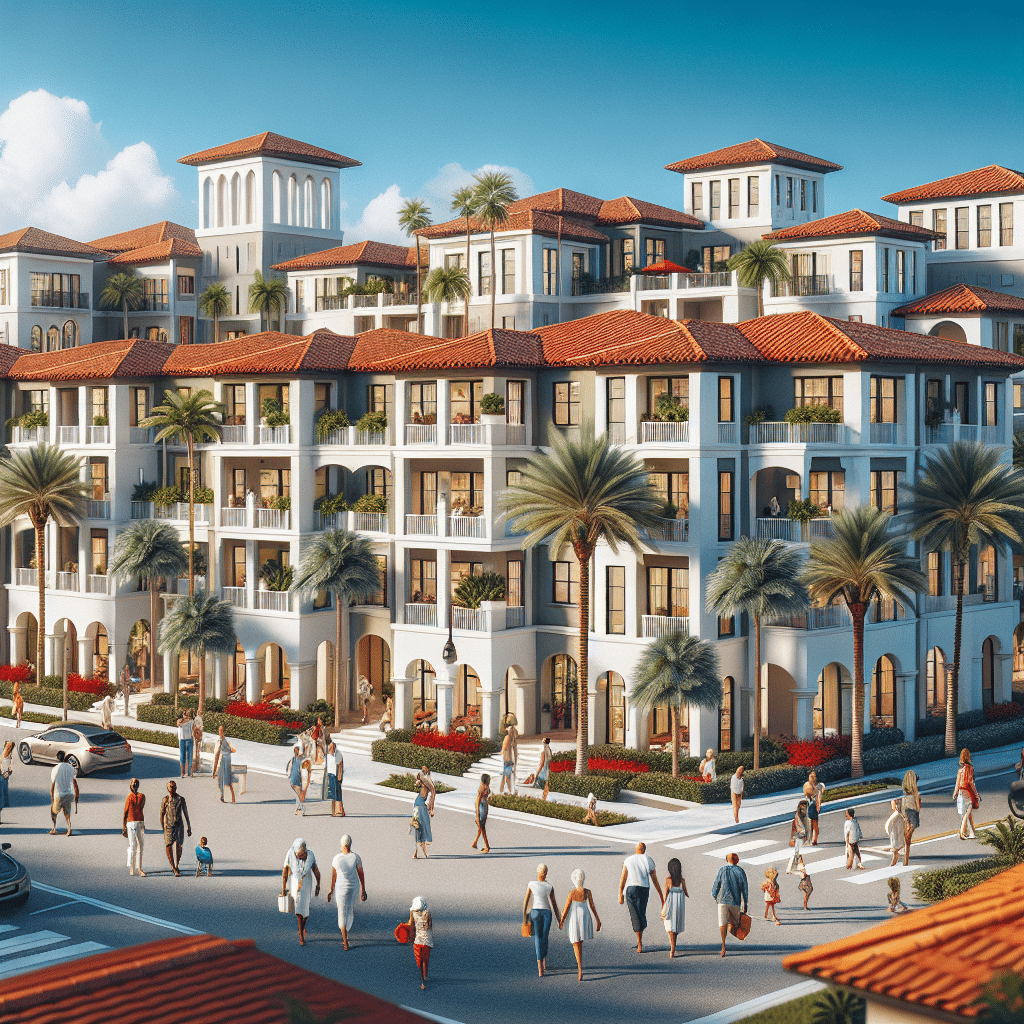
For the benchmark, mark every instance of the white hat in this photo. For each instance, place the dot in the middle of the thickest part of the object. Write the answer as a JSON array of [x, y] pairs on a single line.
[[420, 903]]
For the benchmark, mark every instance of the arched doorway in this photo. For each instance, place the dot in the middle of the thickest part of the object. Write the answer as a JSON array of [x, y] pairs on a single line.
[[98, 662], [1018, 658], [28, 622], [989, 650], [467, 691], [777, 712], [659, 724], [424, 693], [276, 673], [948, 330], [725, 714], [613, 686], [774, 487], [563, 691], [935, 683], [883, 693], [373, 660], [238, 673], [138, 651], [834, 701]]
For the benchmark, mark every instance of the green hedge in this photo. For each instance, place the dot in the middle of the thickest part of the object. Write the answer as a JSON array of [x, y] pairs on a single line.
[[408, 784], [604, 787], [235, 727], [308, 717], [49, 697], [942, 883], [564, 812], [163, 739], [411, 755]]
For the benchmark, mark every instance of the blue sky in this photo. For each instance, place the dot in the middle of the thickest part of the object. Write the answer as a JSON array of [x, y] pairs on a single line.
[[96, 110]]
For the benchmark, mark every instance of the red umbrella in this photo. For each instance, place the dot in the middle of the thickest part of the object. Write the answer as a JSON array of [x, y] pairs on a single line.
[[665, 267]]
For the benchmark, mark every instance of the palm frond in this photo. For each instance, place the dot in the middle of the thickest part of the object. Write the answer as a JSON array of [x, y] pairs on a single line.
[[464, 201], [340, 562], [202, 624], [677, 669], [448, 284], [413, 216], [149, 549], [42, 482], [215, 300], [268, 295], [122, 290], [759, 577], [198, 416], [494, 194], [759, 262]]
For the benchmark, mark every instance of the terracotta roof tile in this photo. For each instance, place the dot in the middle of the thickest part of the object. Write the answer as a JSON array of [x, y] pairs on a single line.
[[225, 981], [35, 240], [135, 357], [397, 351], [378, 254], [269, 352], [171, 248], [137, 238], [563, 201], [269, 144], [983, 181], [9, 355], [939, 957], [756, 151], [854, 222], [627, 210], [962, 298], [539, 222]]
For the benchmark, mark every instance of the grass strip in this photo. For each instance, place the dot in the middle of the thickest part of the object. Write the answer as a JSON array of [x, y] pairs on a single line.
[[163, 739], [564, 812], [797, 1011], [858, 789], [408, 783]]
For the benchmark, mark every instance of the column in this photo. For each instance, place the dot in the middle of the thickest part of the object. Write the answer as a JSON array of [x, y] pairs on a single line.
[[85, 650], [445, 686], [253, 680], [804, 700], [489, 491], [252, 569], [444, 411], [597, 712], [220, 677], [53, 653], [444, 584], [633, 384], [19, 639], [637, 735], [906, 709], [490, 713], [846, 700], [529, 558], [302, 688], [170, 673], [252, 413], [403, 702], [84, 557], [525, 705]]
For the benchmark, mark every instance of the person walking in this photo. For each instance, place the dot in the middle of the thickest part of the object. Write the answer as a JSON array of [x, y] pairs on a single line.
[[174, 821], [185, 741], [539, 780], [814, 791], [707, 768], [911, 809], [422, 923], [222, 764], [896, 905], [581, 913], [298, 864], [896, 829], [730, 893], [638, 875], [365, 696], [387, 719], [801, 832], [673, 910], [852, 836], [538, 903], [966, 795], [334, 773], [591, 815], [805, 885], [17, 704], [483, 794], [63, 788], [6, 771], [770, 888], [294, 770], [736, 785], [421, 812], [204, 857], [346, 879], [508, 761], [197, 742], [133, 826], [107, 712]]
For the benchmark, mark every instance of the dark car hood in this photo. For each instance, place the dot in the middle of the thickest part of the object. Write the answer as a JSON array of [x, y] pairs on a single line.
[[10, 869]]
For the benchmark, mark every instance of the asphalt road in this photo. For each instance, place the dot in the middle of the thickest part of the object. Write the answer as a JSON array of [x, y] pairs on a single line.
[[482, 969]]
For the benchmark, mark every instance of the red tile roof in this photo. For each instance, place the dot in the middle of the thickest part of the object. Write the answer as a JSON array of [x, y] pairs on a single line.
[[962, 298], [396, 351], [35, 240], [563, 201], [158, 252], [983, 181], [938, 958], [539, 222], [627, 210], [103, 359], [378, 254], [269, 144], [137, 238], [269, 352], [756, 151], [203, 979], [854, 222]]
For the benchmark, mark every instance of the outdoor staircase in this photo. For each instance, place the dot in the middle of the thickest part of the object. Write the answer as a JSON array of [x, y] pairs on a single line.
[[528, 761], [358, 740]]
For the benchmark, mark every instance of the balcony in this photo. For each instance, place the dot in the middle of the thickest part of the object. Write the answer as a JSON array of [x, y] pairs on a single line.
[[60, 299], [140, 435], [272, 600], [467, 527], [30, 435], [421, 433], [801, 433], [684, 282], [176, 513], [802, 286], [275, 435], [778, 528], [369, 522], [232, 433], [728, 433], [97, 435], [68, 435], [665, 432], [97, 584], [421, 614], [888, 433], [350, 437], [676, 530], [96, 509], [946, 433], [401, 299], [235, 596], [421, 526], [474, 619], [587, 286], [152, 304], [67, 581], [830, 616], [515, 616], [653, 627], [28, 577]]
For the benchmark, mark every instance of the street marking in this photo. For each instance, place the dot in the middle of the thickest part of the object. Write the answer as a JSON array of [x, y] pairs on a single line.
[[831, 863], [53, 956], [100, 905], [753, 844], [864, 877], [8, 928], [56, 906], [784, 854], [697, 841], [30, 941], [430, 1016], [784, 995]]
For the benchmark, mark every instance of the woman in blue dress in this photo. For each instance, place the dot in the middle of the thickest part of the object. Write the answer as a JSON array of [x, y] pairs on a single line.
[[422, 809], [482, 796], [222, 764]]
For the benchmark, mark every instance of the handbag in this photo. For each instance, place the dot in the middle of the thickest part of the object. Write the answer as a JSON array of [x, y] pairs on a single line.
[[667, 923], [286, 904], [742, 930], [403, 933], [527, 929]]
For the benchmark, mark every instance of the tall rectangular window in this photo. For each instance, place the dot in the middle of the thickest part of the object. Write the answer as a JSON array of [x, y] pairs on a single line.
[[654, 250], [140, 406], [508, 271], [617, 409], [1018, 339], [234, 404], [672, 489], [962, 400], [484, 273], [550, 271], [883, 491], [566, 577], [187, 284], [186, 329], [725, 715], [913, 272], [566, 410], [789, 193], [423, 581], [514, 587], [901, 271], [934, 574], [963, 234], [885, 270], [716, 200], [98, 470], [991, 404], [803, 193], [778, 191], [1001, 336], [917, 218], [423, 402], [734, 197], [467, 491], [753, 194], [514, 410], [939, 227], [883, 399], [818, 391], [464, 400], [1006, 223], [933, 397], [814, 197], [626, 255], [615, 599], [99, 404], [668, 591], [99, 551], [828, 490], [697, 198], [428, 492], [856, 270], [984, 226], [725, 510], [380, 396], [725, 400]]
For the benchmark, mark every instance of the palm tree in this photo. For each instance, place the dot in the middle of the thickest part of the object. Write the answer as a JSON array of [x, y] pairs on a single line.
[[343, 564], [42, 483], [201, 624], [759, 262], [152, 551], [267, 294], [193, 419], [215, 301], [464, 205], [762, 579], [677, 669], [494, 195], [863, 561], [123, 291], [965, 495], [448, 284], [413, 217], [585, 492]]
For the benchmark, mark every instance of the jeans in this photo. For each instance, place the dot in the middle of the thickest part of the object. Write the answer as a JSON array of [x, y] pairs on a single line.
[[185, 750], [636, 901], [541, 920]]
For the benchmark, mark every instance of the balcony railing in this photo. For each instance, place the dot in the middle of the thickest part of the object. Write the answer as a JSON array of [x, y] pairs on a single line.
[[684, 282], [469, 618], [401, 299], [272, 600], [67, 435], [234, 596], [830, 616], [466, 433], [421, 614], [97, 435], [67, 581], [778, 528], [152, 304], [655, 626], [28, 577], [139, 435], [821, 528], [474, 527], [370, 522], [97, 509], [181, 586], [671, 530], [60, 299], [888, 433], [424, 526], [728, 433], [586, 286], [30, 435], [97, 584], [515, 616], [364, 301], [421, 433], [800, 433], [667, 432], [234, 518], [937, 603], [349, 436], [804, 284], [946, 433], [276, 435], [233, 433], [273, 518]]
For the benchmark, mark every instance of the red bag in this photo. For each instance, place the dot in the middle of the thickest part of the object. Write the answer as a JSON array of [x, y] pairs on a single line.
[[403, 933], [975, 799]]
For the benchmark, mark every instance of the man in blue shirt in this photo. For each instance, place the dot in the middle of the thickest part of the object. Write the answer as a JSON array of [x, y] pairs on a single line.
[[730, 892]]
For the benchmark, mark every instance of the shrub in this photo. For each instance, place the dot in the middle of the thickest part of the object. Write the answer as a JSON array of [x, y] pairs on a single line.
[[669, 409], [858, 789], [236, 727], [604, 787], [51, 696], [460, 743], [762, 414], [163, 739], [94, 685], [328, 504], [413, 755], [803, 510], [883, 736], [270, 407], [816, 751], [203, 495], [371, 503], [165, 497], [17, 674], [492, 404], [813, 414], [330, 420], [683, 788], [931, 886], [144, 491], [373, 422], [620, 766], [407, 783], [473, 590], [564, 812], [278, 419], [400, 735], [1002, 712], [282, 502], [34, 418], [321, 709]]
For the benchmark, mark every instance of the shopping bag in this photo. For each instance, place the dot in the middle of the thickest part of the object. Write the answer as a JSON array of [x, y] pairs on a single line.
[[527, 929], [743, 928], [403, 933], [286, 904]]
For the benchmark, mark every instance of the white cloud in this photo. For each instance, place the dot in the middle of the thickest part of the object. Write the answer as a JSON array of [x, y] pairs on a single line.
[[379, 221], [56, 172]]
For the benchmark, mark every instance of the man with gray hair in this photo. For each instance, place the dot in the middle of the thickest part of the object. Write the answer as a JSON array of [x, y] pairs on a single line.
[[346, 875]]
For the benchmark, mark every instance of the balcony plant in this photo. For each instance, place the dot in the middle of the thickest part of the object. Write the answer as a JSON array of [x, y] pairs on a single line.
[[273, 413], [371, 503], [762, 414], [144, 491], [373, 422], [670, 511], [813, 414], [101, 421], [933, 418], [329, 421], [34, 418], [802, 511], [492, 404], [166, 497], [278, 577], [204, 496], [329, 504], [472, 591], [282, 503], [199, 561], [668, 409]]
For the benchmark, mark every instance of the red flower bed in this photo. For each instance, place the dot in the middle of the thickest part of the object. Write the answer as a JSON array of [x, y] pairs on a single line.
[[810, 753], [17, 674], [94, 684], [457, 742], [262, 712], [1003, 712], [607, 764]]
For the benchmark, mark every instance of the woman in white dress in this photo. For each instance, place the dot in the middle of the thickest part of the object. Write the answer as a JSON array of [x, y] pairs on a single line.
[[673, 913], [346, 880], [298, 865], [578, 910]]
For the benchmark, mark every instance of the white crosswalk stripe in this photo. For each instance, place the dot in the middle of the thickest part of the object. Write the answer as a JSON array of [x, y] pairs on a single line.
[[30, 940], [11, 965], [687, 844], [880, 874], [783, 853], [753, 844], [829, 864]]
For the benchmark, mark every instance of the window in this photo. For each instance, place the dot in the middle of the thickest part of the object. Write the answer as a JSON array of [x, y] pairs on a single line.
[[508, 271], [550, 272], [814, 197], [626, 255], [69, 336], [60, 290], [455, 259], [274, 483], [933, 397], [913, 272], [963, 240], [991, 404], [99, 551], [939, 227], [578, 270], [654, 250], [819, 391], [615, 599], [186, 284], [734, 197], [567, 403], [725, 714], [423, 402], [428, 492], [713, 256], [725, 517], [828, 489], [380, 596], [53, 339], [1018, 339], [37, 401], [672, 488], [917, 218], [934, 574], [37, 339], [139, 409], [1001, 336], [186, 330], [725, 400], [883, 490], [514, 391], [668, 591], [508, 323], [716, 200], [380, 396], [789, 193], [697, 198], [984, 226], [1006, 223], [464, 399], [778, 191], [566, 582], [98, 475], [484, 273], [514, 583], [563, 689], [753, 191], [423, 580], [885, 270], [883, 693], [234, 404], [99, 404], [458, 571], [678, 387], [987, 572], [3, 287], [901, 271], [616, 409], [803, 193], [1018, 396], [467, 490], [962, 400], [856, 270], [883, 399]]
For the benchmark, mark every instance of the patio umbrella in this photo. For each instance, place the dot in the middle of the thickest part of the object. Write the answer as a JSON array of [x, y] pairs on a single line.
[[665, 267]]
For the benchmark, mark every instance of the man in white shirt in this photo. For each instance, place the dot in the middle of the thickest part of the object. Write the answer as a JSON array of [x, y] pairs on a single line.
[[736, 785], [638, 875], [853, 835], [63, 788]]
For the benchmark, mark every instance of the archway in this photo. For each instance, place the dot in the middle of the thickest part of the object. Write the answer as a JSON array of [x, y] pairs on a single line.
[[725, 741], [659, 725], [138, 651], [613, 686], [237, 684], [98, 663], [935, 683], [325, 671], [989, 652], [28, 622], [777, 711], [833, 714], [949, 330], [773, 489], [276, 672], [883, 693], [467, 691], [562, 690], [373, 660], [66, 647], [424, 692]]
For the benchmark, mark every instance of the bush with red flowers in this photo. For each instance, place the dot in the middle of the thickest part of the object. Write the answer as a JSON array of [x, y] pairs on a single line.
[[264, 711], [1003, 712], [457, 742], [810, 753], [17, 674], [567, 763], [94, 684]]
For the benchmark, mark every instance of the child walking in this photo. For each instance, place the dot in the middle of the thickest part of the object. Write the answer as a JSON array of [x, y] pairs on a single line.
[[204, 858], [896, 905], [423, 936], [770, 888], [853, 835], [805, 886], [591, 815]]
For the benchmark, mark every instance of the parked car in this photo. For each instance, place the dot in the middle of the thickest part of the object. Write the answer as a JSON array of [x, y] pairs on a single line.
[[15, 885], [87, 748]]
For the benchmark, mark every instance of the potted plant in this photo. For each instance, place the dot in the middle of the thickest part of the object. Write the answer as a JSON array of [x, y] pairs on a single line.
[[668, 409], [373, 423], [802, 511], [281, 502], [101, 421], [278, 577], [492, 405], [371, 503], [329, 421], [670, 510]]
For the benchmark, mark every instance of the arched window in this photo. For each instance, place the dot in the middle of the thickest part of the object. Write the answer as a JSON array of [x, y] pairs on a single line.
[[208, 203], [236, 197], [70, 339], [250, 196], [37, 339], [563, 691], [325, 204], [883, 693], [725, 714], [222, 199], [988, 673], [52, 340], [935, 682], [293, 201], [307, 203], [275, 185], [424, 692]]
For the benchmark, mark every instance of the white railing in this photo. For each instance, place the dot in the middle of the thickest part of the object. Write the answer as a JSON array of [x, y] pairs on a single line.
[[617, 433], [947, 433], [901, 523], [820, 529], [276, 435], [273, 600], [466, 433], [665, 432], [139, 435], [234, 596], [469, 618], [888, 610], [29, 435], [67, 435], [937, 603], [273, 518], [67, 580], [829, 616], [233, 517], [670, 529], [515, 617], [28, 577], [467, 526], [97, 584], [333, 520], [421, 614], [778, 528], [369, 437], [421, 433], [800, 433], [178, 512], [728, 433], [233, 433], [659, 282], [142, 510], [97, 435], [888, 433], [97, 509], [515, 433], [370, 522], [654, 626], [974, 432], [339, 437], [421, 525], [181, 586]]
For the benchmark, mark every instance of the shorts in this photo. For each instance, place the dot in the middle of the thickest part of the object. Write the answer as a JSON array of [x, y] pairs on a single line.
[[61, 803], [506, 769], [913, 817], [728, 914], [812, 812]]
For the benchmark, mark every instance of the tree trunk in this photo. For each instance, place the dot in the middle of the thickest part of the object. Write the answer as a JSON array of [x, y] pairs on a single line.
[[41, 580], [953, 689], [757, 692], [583, 697], [191, 513], [469, 277], [153, 584], [202, 679], [337, 663], [760, 298], [674, 712], [216, 326], [494, 278], [857, 611]]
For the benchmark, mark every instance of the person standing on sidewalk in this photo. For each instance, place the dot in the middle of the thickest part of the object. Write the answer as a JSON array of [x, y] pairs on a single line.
[[185, 741], [222, 764], [197, 742], [896, 829], [911, 809], [63, 787], [294, 770], [17, 704], [638, 875], [965, 795], [334, 773], [852, 835], [133, 826], [730, 893], [174, 820], [736, 785], [365, 696], [508, 761], [106, 712], [6, 770], [483, 794], [299, 862]]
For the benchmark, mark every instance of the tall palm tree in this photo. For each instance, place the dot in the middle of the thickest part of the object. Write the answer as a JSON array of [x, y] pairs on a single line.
[[762, 579], [267, 294], [152, 551], [759, 262], [677, 669], [448, 284], [494, 195], [414, 216], [862, 562], [215, 301], [191, 419], [464, 205], [201, 624], [343, 564], [965, 495], [42, 483], [584, 492], [124, 292]]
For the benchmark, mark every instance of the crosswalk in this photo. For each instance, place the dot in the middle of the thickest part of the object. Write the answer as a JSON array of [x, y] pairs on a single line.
[[17, 946]]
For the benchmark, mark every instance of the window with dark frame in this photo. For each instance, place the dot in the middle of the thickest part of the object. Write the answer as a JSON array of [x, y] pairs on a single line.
[[803, 193], [934, 574], [828, 489], [963, 234], [565, 582], [566, 406], [814, 197], [615, 599], [734, 197], [668, 591], [697, 198], [856, 270], [753, 194], [186, 284], [484, 273], [917, 218], [885, 270], [379, 598], [725, 508], [962, 400], [883, 693], [726, 405], [939, 227], [818, 391], [991, 404], [626, 255], [789, 193], [678, 387], [984, 226], [901, 271], [422, 581], [883, 399], [1006, 223], [550, 271], [514, 583], [672, 487], [716, 200], [423, 402], [508, 271], [616, 407], [883, 490], [654, 251]]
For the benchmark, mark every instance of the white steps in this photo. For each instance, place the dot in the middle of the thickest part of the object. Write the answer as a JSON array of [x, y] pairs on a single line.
[[527, 763]]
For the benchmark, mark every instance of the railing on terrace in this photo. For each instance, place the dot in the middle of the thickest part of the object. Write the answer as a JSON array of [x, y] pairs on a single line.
[[728, 433], [97, 435], [150, 304], [234, 596], [684, 282], [233, 517], [178, 512], [233, 433], [30, 435], [139, 435], [515, 616], [364, 301], [421, 614], [820, 528], [28, 577], [398, 299], [97, 584], [665, 432], [466, 433], [60, 299], [778, 528], [273, 518], [275, 435], [671, 530], [181, 586], [370, 522], [586, 286], [67, 581], [67, 435], [349, 436], [780, 432], [425, 526], [888, 433], [802, 285], [617, 433], [469, 618], [830, 616], [421, 433], [272, 600], [655, 626], [474, 527], [331, 302], [95, 509]]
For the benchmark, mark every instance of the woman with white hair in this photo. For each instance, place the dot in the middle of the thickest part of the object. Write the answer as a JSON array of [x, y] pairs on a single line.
[[578, 910], [298, 865], [540, 902], [346, 877], [423, 938]]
